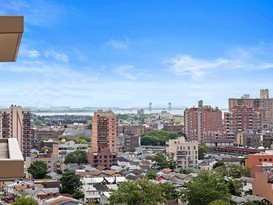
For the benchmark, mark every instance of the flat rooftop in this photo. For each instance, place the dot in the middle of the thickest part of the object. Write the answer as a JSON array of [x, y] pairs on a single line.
[[11, 29]]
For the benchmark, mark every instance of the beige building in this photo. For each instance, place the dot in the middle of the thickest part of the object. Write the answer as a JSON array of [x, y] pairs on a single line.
[[11, 160], [63, 150], [185, 153], [53, 163], [15, 123]]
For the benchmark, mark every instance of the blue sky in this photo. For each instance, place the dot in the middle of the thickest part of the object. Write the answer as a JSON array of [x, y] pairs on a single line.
[[131, 52]]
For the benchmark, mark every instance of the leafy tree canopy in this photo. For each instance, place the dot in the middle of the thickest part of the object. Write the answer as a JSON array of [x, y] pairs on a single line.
[[202, 151], [70, 182], [78, 194], [164, 160], [151, 175], [77, 156], [186, 171], [38, 169], [206, 188], [142, 192], [219, 202], [158, 137], [232, 170], [218, 164], [25, 201]]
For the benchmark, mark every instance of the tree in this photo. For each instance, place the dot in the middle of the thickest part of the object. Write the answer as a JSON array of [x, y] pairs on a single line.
[[186, 171], [246, 172], [206, 188], [77, 156], [158, 137], [139, 192], [78, 194], [25, 201], [168, 191], [151, 175], [164, 160], [70, 182], [230, 170], [219, 202], [38, 169], [46, 149], [235, 187], [81, 141], [218, 164], [202, 151]]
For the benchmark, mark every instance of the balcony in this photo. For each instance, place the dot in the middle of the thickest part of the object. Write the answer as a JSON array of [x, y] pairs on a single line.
[[11, 29], [11, 160]]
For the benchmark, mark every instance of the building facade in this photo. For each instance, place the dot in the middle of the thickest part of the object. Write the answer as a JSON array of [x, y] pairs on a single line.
[[103, 140], [15, 123], [53, 163], [185, 153], [258, 158], [244, 119], [203, 123], [63, 150], [264, 102]]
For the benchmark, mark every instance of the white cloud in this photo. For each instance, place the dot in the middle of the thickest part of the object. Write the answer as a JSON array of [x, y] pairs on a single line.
[[194, 67], [247, 59], [32, 53], [58, 56], [118, 44], [126, 71], [129, 72]]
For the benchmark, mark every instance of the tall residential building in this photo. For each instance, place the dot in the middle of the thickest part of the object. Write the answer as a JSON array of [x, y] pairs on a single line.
[[104, 131], [264, 102], [104, 139], [244, 119], [203, 123], [15, 123], [185, 153]]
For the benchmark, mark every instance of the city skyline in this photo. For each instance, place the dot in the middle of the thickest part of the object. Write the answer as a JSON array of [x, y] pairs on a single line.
[[129, 53]]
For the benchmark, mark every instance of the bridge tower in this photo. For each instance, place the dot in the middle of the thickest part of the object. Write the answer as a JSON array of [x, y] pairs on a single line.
[[150, 106]]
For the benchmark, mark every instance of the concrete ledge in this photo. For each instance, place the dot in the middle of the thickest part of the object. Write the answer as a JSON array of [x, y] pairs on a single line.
[[12, 164], [11, 29]]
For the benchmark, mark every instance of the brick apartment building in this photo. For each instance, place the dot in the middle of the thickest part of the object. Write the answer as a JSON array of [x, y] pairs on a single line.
[[15, 122], [259, 158], [203, 123], [244, 119], [104, 139], [37, 136], [264, 102]]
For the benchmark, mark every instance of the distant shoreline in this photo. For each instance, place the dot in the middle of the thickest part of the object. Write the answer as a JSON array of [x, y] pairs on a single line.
[[133, 111]]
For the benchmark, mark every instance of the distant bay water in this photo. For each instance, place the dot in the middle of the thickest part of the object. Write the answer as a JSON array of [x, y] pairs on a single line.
[[134, 111]]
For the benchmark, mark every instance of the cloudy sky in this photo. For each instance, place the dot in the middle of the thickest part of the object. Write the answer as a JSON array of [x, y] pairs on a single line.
[[131, 52]]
